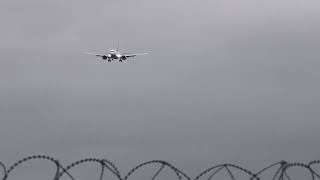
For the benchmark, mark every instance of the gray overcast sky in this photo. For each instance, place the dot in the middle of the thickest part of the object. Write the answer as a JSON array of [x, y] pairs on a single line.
[[226, 81]]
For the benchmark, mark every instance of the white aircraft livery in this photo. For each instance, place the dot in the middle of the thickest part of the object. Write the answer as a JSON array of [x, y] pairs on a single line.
[[115, 54]]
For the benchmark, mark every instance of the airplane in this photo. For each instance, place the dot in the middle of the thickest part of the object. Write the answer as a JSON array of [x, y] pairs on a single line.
[[115, 54]]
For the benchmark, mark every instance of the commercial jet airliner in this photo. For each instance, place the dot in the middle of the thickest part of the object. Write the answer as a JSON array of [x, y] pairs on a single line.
[[115, 54]]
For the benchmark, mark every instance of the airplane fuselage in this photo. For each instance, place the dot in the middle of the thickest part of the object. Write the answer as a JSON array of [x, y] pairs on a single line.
[[114, 54]]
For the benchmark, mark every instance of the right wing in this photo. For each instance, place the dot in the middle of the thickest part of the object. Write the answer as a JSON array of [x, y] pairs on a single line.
[[98, 55], [133, 55]]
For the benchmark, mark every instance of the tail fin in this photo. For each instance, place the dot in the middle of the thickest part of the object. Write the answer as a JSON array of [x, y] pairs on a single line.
[[118, 46]]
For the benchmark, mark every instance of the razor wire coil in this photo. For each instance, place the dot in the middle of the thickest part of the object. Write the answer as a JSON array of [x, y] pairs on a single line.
[[280, 174]]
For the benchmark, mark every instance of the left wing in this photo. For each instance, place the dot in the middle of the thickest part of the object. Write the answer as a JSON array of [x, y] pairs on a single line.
[[98, 55], [133, 55]]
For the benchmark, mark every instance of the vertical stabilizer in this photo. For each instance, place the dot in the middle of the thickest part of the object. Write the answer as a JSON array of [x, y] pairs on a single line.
[[118, 46]]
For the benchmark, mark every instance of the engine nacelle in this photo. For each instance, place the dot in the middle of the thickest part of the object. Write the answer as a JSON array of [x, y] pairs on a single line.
[[123, 57], [104, 57]]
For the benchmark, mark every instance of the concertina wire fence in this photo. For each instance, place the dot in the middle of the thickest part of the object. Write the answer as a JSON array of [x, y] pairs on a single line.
[[281, 170]]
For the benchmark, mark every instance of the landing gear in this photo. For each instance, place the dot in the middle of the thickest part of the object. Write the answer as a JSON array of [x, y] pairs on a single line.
[[109, 60], [120, 60]]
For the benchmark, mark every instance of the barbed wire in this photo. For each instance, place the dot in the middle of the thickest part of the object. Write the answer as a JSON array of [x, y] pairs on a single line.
[[3, 168], [212, 172]]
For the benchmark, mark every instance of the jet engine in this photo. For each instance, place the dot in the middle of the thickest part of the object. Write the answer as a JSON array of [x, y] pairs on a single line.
[[105, 57], [123, 57]]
